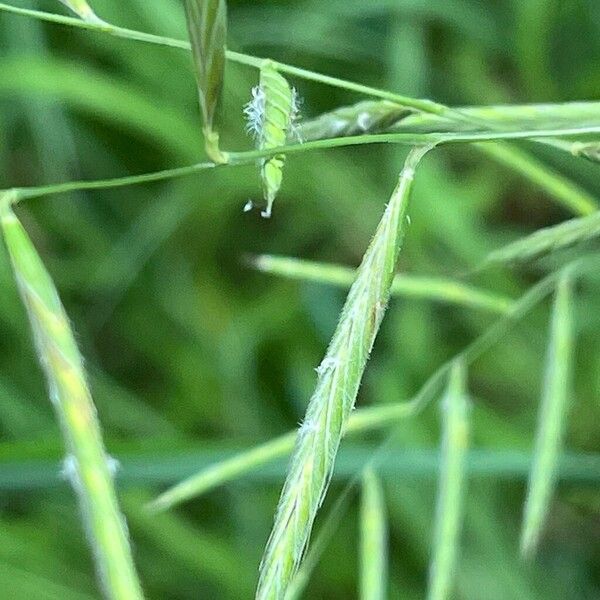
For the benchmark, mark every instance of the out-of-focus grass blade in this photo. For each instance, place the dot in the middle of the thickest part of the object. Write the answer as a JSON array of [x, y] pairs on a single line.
[[449, 508], [82, 9], [207, 26], [243, 462], [552, 417], [87, 465], [412, 286], [545, 241], [373, 539]]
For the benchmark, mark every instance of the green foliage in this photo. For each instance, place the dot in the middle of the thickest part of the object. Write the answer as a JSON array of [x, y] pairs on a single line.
[[373, 540], [449, 509], [552, 417], [194, 359]]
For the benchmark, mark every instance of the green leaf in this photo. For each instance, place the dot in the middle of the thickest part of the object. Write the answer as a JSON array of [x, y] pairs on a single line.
[[453, 467], [552, 417], [373, 539]]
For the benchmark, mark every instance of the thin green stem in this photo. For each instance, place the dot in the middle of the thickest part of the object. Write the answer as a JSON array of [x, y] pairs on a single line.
[[237, 57], [249, 157], [453, 466]]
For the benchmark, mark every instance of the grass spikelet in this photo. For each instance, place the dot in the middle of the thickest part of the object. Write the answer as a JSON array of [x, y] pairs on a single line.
[[590, 150], [82, 9], [552, 416], [86, 465], [449, 509], [270, 115], [369, 116], [545, 241], [373, 539], [338, 380], [409, 286], [207, 26]]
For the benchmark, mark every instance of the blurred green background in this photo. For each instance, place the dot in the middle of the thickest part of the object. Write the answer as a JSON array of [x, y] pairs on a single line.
[[191, 354]]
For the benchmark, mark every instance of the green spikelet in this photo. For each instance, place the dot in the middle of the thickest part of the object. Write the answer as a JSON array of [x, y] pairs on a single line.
[[207, 27], [590, 150], [87, 466], [82, 9], [270, 116], [338, 379]]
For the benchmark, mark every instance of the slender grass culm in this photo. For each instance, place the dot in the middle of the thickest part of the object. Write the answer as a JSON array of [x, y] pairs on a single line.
[[453, 466], [373, 539], [338, 380], [87, 465], [552, 417]]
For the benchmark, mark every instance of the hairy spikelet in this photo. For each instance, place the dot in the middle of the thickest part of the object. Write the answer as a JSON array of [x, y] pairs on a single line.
[[82, 9], [548, 240], [270, 116], [370, 116], [87, 466], [207, 26], [338, 380], [590, 150]]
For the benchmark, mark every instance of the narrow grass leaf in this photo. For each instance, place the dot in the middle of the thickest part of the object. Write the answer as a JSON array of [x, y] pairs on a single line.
[[207, 27], [546, 241], [246, 461], [87, 465], [449, 509], [373, 539], [409, 286], [338, 380], [552, 418]]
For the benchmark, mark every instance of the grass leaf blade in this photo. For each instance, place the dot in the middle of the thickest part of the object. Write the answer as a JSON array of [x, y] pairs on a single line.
[[449, 510], [87, 465], [373, 539], [552, 416]]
